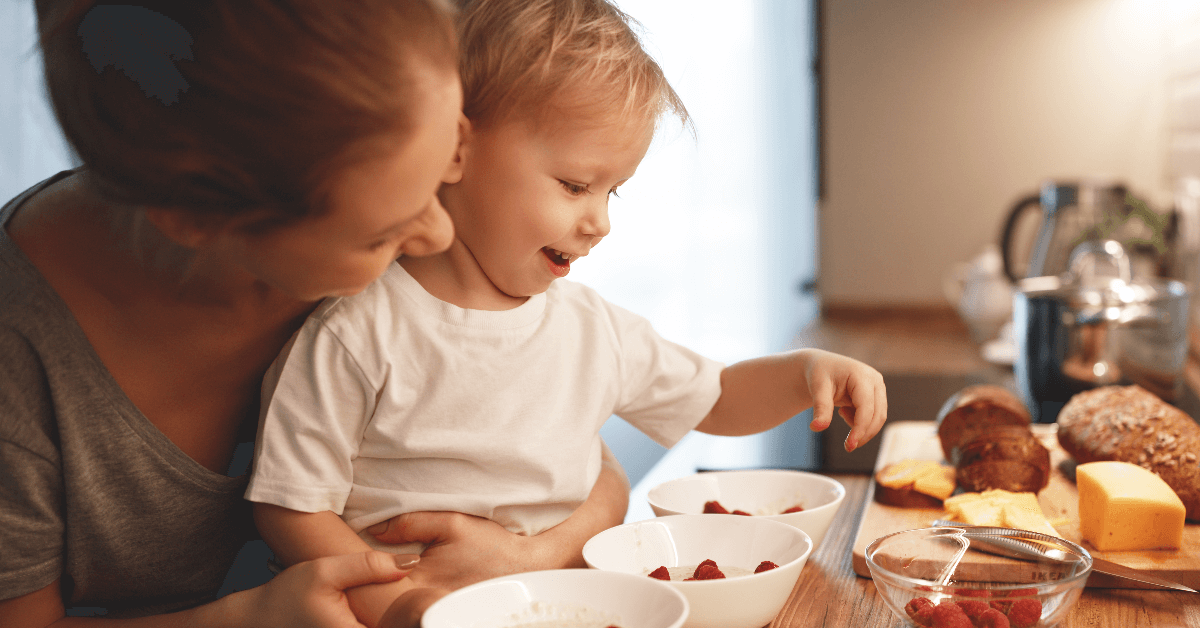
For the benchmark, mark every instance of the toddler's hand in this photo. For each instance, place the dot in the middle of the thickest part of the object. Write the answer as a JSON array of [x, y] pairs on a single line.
[[854, 388]]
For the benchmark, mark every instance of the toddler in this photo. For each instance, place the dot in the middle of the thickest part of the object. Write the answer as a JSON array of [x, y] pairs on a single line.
[[476, 380]]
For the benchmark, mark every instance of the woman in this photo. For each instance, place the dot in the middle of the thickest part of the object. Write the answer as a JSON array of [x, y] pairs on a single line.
[[243, 159]]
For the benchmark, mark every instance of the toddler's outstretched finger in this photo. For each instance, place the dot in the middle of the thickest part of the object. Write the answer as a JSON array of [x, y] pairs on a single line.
[[863, 398], [822, 397]]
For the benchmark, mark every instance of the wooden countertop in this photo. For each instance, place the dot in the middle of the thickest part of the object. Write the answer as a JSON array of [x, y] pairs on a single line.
[[928, 346], [830, 595]]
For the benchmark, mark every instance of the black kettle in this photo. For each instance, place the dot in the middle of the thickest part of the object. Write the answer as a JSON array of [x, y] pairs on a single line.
[[1042, 229]]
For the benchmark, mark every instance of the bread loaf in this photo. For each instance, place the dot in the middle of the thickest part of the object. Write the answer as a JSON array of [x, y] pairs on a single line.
[[1129, 424], [1007, 457], [976, 409]]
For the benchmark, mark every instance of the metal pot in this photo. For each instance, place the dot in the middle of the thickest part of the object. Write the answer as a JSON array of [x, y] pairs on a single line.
[[1089, 328]]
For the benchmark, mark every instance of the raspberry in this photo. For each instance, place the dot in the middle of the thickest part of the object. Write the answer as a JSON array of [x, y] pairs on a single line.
[[714, 508], [973, 609], [765, 565], [920, 610], [947, 614], [708, 572], [971, 592], [740, 512], [991, 618], [661, 573], [708, 561], [794, 509], [1025, 612]]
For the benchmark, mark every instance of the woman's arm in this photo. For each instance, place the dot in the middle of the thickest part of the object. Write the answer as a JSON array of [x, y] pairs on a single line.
[[464, 549], [309, 594]]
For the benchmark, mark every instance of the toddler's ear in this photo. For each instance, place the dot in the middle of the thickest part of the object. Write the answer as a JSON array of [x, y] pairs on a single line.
[[454, 171]]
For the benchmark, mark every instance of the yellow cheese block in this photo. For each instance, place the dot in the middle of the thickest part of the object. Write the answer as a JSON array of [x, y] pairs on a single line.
[[999, 508], [1125, 507]]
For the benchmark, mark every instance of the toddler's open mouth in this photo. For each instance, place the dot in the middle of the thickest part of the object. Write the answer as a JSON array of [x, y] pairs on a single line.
[[560, 262]]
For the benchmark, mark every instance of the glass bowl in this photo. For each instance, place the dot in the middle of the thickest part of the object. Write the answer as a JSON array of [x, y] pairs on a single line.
[[1030, 578]]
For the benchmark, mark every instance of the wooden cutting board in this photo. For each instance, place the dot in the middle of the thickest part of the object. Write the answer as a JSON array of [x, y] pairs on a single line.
[[1059, 501]]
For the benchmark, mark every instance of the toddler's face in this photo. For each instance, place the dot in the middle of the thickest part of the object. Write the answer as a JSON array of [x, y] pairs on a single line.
[[534, 198]]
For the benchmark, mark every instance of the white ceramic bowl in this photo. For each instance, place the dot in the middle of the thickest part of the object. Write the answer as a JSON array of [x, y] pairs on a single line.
[[578, 597], [733, 541], [765, 493]]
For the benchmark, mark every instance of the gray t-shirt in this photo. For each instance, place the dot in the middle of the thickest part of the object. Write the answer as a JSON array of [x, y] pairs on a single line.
[[91, 492]]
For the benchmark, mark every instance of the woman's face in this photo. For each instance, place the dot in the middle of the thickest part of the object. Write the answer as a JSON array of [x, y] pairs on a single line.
[[378, 210]]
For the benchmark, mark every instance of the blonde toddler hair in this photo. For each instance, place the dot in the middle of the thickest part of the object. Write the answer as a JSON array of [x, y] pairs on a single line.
[[522, 57]]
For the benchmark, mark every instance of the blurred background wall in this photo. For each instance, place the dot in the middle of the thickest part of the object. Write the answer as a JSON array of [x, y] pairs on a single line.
[[940, 114]]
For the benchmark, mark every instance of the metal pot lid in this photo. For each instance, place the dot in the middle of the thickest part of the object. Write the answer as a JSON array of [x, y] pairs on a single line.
[[1099, 276]]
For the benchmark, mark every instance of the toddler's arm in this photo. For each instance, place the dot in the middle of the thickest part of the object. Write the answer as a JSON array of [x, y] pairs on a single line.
[[299, 536], [759, 394]]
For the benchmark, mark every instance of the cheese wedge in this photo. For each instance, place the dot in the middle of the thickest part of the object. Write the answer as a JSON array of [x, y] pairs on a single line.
[[999, 508], [924, 476], [1125, 507]]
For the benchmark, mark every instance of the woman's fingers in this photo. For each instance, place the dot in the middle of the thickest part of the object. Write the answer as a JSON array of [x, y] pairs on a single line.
[[407, 610], [352, 570]]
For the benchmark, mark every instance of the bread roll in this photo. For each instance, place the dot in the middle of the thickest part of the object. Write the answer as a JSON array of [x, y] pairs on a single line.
[[1007, 457], [1129, 424], [976, 409]]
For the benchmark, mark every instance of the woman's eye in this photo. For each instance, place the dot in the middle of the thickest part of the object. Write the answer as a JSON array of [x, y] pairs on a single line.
[[613, 192], [574, 189], [375, 246]]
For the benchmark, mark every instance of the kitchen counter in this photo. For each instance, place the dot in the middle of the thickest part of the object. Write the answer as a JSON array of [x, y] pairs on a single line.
[[925, 357], [830, 595]]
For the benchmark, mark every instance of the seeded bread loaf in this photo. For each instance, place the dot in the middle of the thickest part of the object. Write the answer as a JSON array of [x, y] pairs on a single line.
[[1007, 457], [1130, 424], [973, 410]]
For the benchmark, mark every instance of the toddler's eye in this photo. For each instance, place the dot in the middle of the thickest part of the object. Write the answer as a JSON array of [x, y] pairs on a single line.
[[574, 189], [614, 192], [375, 246]]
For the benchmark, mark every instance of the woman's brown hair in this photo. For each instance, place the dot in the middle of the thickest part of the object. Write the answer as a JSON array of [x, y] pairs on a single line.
[[219, 107]]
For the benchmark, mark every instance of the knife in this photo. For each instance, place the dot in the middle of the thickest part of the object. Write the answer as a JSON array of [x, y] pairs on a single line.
[[993, 541]]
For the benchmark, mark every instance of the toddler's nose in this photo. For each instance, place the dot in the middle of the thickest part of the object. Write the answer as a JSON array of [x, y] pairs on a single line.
[[595, 221]]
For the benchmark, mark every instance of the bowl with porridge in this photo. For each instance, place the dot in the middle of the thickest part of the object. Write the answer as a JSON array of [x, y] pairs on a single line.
[[804, 500], [735, 571], [561, 598]]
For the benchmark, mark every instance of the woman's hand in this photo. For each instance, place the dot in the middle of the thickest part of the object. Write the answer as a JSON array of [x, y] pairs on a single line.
[[407, 610], [463, 549], [309, 594]]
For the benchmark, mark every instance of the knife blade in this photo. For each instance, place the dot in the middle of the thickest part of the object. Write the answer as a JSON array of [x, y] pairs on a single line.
[[1014, 548]]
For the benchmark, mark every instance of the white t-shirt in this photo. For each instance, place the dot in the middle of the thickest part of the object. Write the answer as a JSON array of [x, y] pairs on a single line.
[[392, 401]]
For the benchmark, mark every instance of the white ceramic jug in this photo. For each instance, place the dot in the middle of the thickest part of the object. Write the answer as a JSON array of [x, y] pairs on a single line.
[[981, 294]]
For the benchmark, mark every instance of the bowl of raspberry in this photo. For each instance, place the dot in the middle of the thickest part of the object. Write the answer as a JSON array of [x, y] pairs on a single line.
[[807, 501], [735, 571], [951, 577]]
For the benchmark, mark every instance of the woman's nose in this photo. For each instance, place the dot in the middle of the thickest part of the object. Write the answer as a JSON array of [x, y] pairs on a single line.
[[433, 235]]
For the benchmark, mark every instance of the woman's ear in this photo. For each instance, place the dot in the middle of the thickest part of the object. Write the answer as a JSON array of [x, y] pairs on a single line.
[[181, 227], [454, 171]]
